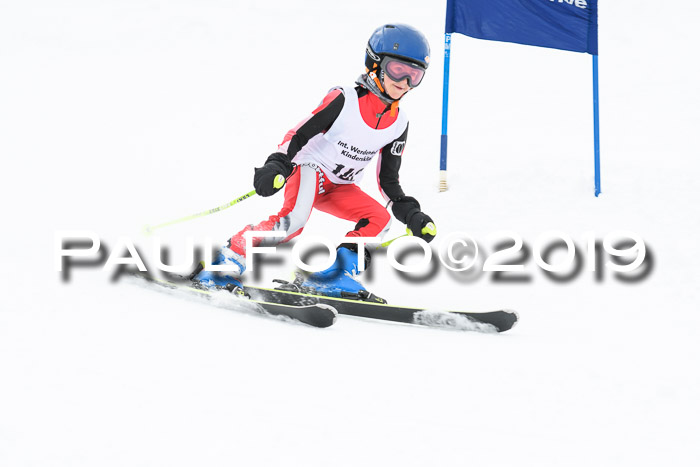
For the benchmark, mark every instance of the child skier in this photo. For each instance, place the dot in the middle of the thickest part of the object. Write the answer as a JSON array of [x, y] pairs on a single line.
[[325, 155]]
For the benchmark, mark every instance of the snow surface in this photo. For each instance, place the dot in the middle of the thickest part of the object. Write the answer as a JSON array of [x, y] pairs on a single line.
[[116, 114]]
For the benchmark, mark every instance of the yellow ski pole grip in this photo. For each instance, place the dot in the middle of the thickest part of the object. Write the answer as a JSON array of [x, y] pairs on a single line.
[[279, 181], [428, 229]]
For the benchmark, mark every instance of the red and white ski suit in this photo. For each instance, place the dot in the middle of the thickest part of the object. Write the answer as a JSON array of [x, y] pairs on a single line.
[[330, 150]]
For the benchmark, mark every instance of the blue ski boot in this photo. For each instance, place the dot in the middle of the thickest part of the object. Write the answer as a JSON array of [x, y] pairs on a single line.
[[222, 279], [338, 280]]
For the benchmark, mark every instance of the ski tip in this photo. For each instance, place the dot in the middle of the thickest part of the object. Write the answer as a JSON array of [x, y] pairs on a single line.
[[332, 310], [516, 315]]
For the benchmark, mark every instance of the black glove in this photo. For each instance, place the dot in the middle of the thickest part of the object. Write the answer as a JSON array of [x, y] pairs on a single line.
[[417, 222], [407, 210], [264, 179]]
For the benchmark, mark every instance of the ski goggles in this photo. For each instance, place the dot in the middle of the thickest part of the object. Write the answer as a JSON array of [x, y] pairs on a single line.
[[398, 70]]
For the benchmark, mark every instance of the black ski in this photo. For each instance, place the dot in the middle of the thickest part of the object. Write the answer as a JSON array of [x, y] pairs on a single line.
[[314, 314], [499, 320]]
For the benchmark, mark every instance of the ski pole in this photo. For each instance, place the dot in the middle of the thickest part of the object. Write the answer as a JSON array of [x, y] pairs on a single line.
[[148, 229], [428, 229]]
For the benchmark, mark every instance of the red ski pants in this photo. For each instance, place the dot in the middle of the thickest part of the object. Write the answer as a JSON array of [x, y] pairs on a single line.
[[307, 188]]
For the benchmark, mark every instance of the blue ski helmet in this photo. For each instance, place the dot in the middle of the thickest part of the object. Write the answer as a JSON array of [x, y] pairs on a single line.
[[400, 41]]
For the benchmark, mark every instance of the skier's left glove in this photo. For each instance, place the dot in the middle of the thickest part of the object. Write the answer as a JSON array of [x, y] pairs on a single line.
[[266, 181], [421, 225], [407, 210]]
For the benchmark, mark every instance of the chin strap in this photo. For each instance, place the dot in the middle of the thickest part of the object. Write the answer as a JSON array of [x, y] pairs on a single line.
[[376, 80], [394, 106], [371, 81]]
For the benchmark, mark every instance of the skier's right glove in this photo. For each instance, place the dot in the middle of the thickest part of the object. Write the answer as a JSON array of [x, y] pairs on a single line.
[[407, 210], [266, 180]]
